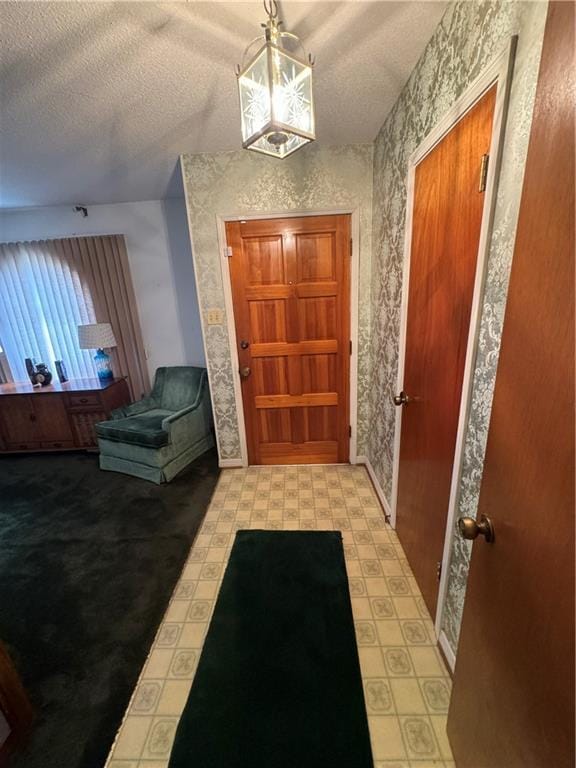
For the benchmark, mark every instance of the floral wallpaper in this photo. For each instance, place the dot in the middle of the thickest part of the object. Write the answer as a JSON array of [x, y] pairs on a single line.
[[241, 183], [469, 36]]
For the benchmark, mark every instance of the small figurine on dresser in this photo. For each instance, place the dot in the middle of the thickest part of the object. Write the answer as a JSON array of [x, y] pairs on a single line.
[[61, 371], [42, 376], [30, 364]]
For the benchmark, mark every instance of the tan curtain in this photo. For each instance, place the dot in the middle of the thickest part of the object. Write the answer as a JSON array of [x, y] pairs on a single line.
[[103, 262]]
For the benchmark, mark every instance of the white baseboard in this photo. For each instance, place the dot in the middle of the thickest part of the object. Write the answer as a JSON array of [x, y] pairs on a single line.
[[378, 488], [449, 654], [230, 463]]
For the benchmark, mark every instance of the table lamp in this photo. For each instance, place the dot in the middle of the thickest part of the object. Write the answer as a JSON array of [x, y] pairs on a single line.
[[97, 336]]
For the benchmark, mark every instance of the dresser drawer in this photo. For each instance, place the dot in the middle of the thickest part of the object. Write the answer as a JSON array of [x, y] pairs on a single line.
[[82, 400], [54, 444], [29, 445]]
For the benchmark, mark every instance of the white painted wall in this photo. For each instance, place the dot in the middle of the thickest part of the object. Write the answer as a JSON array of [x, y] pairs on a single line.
[[160, 258]]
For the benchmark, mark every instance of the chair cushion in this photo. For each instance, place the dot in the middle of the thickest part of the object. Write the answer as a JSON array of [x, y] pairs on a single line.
[[144, 429]]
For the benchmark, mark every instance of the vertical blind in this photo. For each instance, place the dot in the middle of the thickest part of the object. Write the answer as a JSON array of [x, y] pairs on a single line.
[[49, 287], [42, 302]]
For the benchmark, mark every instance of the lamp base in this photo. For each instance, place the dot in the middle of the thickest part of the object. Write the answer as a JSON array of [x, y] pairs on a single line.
[[103, 365]]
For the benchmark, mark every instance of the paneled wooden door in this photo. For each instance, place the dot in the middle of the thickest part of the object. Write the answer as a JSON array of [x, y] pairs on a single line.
[[513, 697], [446, 223], [291, 294]]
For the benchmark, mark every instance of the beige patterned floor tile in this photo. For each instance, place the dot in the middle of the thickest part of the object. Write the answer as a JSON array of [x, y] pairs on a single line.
[[386, 736], [371, 661], [389, 632], [131, 738], [146, 697], [160, 738], [173, 697], [407, 696], [378, 696], [406, 607], [436, 693], [183, 663], [419, 737], [377, 587], [361, 608], [427, 661]]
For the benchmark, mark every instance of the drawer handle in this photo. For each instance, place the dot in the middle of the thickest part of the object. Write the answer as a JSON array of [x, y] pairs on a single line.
[[83, 399]]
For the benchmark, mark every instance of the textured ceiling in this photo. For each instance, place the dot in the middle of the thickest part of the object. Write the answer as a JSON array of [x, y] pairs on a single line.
[[99, 99]]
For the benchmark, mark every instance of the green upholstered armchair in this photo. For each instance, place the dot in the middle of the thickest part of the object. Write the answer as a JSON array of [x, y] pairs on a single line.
[[159, 435]]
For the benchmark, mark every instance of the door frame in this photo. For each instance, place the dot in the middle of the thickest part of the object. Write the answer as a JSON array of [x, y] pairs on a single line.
[[221, 220], [498, 72]]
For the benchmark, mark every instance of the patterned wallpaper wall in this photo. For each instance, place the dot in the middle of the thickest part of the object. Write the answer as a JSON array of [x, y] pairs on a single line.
[[242, 183], [469, 36]]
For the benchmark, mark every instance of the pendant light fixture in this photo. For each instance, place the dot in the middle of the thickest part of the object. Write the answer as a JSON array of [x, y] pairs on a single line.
[[275, 86]]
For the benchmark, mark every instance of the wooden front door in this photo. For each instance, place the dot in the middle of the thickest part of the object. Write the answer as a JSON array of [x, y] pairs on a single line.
[[513, 697], [291, 294], [447, 216]]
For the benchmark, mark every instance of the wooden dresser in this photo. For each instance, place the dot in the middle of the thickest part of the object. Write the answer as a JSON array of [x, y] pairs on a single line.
[[59, 417]]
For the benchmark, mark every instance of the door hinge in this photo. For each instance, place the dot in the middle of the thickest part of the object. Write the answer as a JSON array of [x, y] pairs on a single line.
[[483, 172], [228, 251], [439, 570], [350, 431], [351, 246], [350, 346]]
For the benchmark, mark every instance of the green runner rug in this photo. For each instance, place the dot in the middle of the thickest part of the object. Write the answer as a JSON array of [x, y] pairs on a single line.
[[278, 684]]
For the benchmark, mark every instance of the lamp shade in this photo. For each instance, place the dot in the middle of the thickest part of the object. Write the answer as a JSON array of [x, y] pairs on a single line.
[[96, 336]]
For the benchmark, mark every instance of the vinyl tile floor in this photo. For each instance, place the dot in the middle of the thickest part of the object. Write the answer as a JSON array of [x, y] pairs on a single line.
[[406, 684]]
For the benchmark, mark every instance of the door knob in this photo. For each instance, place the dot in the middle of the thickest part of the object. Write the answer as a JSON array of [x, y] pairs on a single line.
[[244, 344], [245, 372], [470, 528], [401, 399]]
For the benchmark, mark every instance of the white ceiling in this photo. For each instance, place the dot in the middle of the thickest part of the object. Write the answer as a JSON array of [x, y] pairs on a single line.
[[99, 99]]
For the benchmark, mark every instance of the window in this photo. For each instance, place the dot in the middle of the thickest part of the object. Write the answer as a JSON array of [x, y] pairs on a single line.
[[42, 302], [50, 287]]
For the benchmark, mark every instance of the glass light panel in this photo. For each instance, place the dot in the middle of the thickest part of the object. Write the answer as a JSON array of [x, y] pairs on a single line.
[[255, 96], [292, 93]]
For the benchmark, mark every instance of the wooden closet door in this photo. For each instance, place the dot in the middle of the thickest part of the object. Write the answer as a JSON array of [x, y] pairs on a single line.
[[447, 218], [291, 294]]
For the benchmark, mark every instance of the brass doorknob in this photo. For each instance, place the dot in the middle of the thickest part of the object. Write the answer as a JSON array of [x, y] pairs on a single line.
[[245, 372], [470, 528], [401, 399]]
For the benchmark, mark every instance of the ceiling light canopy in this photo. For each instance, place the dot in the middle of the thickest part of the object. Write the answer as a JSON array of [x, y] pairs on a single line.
[[275, 86]]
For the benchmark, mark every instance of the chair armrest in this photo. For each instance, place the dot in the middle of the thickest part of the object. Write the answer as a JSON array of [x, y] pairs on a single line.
[[183, 411], [141, 406], [187, 424], [177, 415]]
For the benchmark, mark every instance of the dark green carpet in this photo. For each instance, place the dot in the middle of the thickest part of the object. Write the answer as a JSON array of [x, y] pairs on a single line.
[[278, 683], [88, 561]]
